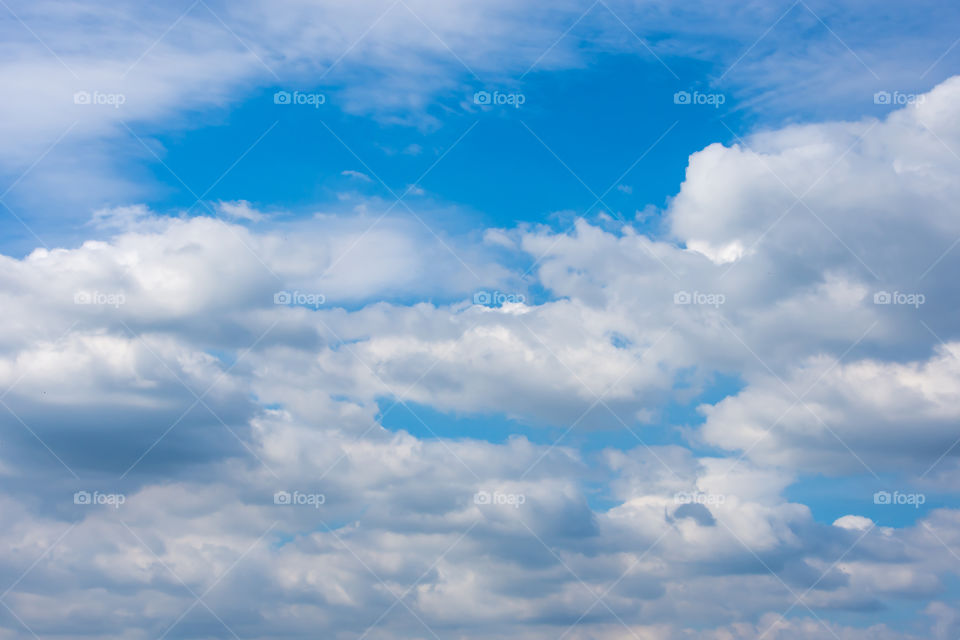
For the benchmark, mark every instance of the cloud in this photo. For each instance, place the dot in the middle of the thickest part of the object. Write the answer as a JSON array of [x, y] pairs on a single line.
[[99, 101], [356, 174], [850, 415], [240, 210], [163, 350]]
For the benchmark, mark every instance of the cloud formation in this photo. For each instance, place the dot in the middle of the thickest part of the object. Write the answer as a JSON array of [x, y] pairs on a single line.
[[233, 382]]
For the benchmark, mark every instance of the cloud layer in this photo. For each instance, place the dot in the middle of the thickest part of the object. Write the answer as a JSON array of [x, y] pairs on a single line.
[[198, 442]]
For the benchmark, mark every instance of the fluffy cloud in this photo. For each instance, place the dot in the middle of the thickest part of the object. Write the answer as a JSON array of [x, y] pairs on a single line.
[[864, 413], [236, 404]]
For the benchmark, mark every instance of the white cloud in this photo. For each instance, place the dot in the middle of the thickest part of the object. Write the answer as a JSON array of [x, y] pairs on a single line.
[[356, 174], [240, 210], [304, 392], [863, 413]]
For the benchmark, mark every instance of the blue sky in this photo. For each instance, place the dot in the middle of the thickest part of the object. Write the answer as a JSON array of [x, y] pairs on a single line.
[[412, 319], [615, 121]]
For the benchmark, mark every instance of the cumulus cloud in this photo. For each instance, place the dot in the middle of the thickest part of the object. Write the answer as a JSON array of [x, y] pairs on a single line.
[[863, 413], [199, 408]]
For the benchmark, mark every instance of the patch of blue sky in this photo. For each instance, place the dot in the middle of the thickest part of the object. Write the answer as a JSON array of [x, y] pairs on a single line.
[[500, 165]]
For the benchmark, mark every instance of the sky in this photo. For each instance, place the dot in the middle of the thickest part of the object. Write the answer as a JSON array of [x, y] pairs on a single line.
[[411, 319]]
